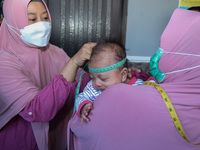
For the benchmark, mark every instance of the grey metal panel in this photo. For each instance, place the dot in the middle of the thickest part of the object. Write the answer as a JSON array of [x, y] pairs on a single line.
[[62, 24], [76, 22]]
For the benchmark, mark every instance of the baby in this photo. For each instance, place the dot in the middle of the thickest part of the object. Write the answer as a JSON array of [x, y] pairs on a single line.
[[107, 66]]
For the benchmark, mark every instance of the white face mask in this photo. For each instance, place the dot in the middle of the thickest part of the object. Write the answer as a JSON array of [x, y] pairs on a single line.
[[35, 35]]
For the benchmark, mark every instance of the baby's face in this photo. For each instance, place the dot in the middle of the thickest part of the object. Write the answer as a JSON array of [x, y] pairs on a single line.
[[101, 81], [104, 79]]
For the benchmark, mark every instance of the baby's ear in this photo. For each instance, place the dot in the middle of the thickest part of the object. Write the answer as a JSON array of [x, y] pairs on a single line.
[[124, 74]]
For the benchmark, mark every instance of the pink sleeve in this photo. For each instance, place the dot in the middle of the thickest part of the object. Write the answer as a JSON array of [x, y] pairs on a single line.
[[152, 79], [49, 100]]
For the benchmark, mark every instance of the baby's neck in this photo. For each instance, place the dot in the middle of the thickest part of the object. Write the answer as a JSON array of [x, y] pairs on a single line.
[[127, 80]]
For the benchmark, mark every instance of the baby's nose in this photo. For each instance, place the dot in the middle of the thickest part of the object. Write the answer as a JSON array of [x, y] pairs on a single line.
[[98, 83]]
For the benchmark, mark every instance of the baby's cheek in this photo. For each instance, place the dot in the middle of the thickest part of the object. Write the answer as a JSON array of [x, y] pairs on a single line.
[[93, 84]]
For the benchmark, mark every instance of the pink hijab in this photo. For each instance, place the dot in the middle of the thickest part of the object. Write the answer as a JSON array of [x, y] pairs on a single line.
[[126, 117], [39, 65]]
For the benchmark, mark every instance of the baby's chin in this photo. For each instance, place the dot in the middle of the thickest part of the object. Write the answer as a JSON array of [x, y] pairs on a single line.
[[101, 90]]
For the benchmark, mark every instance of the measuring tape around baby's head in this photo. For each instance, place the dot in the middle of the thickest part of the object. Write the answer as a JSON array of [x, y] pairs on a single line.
[[98, 70], [171, 110], [108, 68]]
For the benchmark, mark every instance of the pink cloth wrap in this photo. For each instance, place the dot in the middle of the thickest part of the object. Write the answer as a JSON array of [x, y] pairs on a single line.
[[127, 118], [29, 80]]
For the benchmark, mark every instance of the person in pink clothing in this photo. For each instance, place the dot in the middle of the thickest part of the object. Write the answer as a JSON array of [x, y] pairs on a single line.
[[109, 54], [37, 79], [128, 117]]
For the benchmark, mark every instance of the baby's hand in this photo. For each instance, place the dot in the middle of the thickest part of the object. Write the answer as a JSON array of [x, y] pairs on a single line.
[[85, 112]]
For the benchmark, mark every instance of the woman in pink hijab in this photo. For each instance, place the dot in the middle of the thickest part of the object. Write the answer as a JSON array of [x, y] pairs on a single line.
[[37, 79], [136, 118]]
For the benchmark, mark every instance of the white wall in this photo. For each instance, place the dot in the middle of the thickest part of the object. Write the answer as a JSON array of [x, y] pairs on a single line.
[[146, 21]]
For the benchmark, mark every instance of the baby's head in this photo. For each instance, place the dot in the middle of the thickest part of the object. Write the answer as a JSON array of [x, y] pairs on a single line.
[[104, 54]]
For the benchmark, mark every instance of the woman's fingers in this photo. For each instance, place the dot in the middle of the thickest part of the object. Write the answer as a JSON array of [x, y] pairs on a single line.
[[84, 53]]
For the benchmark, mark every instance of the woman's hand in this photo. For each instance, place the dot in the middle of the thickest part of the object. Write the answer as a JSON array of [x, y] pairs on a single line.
[[70, 69], [83, 54], [132, 69]]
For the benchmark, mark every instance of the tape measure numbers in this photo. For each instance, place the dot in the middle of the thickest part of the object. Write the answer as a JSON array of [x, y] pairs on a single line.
[[171, 110]]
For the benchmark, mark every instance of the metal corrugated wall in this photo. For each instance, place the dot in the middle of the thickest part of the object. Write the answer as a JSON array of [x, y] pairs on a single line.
[[76, 22]]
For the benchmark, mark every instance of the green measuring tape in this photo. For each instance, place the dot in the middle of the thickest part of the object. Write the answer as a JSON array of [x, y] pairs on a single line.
[[97, 70], [78, 86], [108, 68], [171, 110]]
